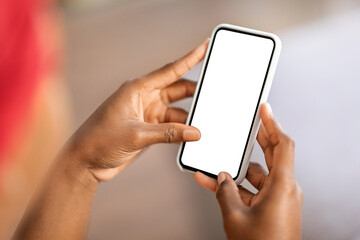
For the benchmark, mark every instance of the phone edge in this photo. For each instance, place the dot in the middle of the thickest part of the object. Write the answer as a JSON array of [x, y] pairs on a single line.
[[263, 98]]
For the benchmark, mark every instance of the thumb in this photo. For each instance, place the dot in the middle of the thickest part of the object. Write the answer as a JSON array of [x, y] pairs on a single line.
[[228, 195], [169, 133]]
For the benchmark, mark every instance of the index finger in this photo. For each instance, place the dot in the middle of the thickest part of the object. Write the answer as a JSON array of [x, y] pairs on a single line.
[[171, 72]]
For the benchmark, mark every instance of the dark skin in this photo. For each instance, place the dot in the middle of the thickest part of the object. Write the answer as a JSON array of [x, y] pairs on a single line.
[[137, 115], [275, 211]]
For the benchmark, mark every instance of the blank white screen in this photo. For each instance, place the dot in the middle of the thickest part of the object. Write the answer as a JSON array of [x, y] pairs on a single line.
[[227, 101]]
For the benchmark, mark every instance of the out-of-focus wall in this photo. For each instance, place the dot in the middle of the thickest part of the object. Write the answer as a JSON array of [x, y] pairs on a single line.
[[111, 41], [108, 43]]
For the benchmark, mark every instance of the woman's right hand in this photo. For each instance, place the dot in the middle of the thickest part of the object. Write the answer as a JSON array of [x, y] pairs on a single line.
[[137, 115], [275, 211]]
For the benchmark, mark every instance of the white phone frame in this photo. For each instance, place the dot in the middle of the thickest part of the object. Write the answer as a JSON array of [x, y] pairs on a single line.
[[263, 98]]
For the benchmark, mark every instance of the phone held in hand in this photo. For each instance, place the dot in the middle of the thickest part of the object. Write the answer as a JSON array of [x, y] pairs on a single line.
[[235, 80]]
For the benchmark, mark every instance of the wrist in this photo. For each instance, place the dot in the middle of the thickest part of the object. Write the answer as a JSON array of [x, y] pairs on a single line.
[[76, 171], [67, 193]]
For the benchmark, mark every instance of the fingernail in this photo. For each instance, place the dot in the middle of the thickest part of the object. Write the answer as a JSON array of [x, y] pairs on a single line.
[[191, 135], [221, 177], [269, 109]]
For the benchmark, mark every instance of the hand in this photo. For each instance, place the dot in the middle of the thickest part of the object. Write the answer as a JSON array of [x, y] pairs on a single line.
[[135, 116], [275, 211]]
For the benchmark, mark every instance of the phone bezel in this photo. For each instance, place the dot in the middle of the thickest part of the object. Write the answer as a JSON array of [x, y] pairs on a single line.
[[262, 96]]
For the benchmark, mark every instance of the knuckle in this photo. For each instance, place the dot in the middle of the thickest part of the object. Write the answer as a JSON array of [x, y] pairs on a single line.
[[135, 137], [233, 216], [290, 188], [173, 69], [289, 141], [186, 65], [170, 134], [167, 66]]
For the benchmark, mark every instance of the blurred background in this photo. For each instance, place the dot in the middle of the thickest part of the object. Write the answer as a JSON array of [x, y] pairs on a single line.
[[314, 95], [103, 43]]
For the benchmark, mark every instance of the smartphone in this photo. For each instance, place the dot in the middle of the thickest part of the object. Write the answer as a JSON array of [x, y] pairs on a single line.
[[235, 80]]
